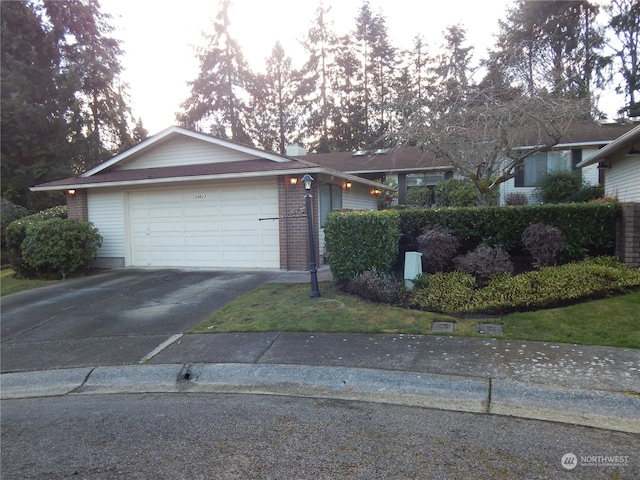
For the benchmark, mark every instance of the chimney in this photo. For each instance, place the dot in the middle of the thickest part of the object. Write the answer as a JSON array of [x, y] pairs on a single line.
[[295, 150]]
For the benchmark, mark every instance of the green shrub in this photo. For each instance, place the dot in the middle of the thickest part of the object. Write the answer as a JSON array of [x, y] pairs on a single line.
[[589, 228], [544, 288], [64, 245], [377, 287], [360, 241], [419, 197], [456, 192], [559, 186], [16, 233], [444, 292], [10, 212]]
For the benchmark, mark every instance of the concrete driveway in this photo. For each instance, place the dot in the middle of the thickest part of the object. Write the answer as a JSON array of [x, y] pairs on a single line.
[[112, 318]]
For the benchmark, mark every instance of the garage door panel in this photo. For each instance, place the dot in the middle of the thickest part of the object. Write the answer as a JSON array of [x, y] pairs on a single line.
[[215, 226]]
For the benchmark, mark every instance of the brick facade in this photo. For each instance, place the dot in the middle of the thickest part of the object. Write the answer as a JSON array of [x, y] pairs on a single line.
[[628, 234], [294, 243], [77, 205]]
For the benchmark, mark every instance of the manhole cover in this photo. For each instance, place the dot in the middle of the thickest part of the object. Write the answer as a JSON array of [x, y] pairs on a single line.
[[490, 329], [443, 327]]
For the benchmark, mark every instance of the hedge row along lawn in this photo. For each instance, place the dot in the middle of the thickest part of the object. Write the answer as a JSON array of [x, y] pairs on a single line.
[[287, 308]]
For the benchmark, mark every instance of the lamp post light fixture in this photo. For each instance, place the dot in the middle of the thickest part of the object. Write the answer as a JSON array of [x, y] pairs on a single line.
[[307, 180]]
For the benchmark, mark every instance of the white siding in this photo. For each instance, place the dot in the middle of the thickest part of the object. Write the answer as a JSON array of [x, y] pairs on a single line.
[[359, 198], [184, 151], [622, 181], [106, 212], [509, 187], [590, 172]]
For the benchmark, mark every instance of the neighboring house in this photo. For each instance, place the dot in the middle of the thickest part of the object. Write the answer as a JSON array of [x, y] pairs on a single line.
[[581, 142], [406, 167], [619, 162], [186, 199]]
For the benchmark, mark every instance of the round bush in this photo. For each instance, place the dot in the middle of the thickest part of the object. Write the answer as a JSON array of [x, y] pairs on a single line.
[[543, 242], [64, 245], [557, 187], [438, 247]]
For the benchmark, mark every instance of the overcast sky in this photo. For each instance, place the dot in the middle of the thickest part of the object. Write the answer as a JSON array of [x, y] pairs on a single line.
[[160, 36]]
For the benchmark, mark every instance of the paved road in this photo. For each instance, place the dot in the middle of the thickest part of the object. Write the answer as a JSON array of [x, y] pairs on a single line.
[[198, 436]]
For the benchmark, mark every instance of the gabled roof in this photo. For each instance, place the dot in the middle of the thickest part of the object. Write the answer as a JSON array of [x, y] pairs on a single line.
[[621, 145], [173, 132], [263, 165]]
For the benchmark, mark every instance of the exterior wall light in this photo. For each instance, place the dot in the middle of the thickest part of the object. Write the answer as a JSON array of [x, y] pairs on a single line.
[[70, 193], [347, 186], [293, 181]]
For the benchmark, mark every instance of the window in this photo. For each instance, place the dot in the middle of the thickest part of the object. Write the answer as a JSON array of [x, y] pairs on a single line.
[[424, 179], [330, 199], [536, 167]]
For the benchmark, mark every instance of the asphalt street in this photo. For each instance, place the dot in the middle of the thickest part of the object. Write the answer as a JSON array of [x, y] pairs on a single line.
[[214, 436]]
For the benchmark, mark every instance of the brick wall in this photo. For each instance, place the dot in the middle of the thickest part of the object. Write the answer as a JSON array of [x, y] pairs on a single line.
[[294, 243], [77, 205], [628, 235]]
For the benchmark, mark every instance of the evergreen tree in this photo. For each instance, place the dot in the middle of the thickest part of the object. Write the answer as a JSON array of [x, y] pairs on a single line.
[[273, 103], [317, 78], [553, 46], [64, 108], [624, 21], [218, 95]]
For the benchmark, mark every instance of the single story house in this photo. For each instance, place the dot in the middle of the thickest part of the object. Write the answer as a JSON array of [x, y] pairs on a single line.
[[582, 141], [404, 166], [186, 199]]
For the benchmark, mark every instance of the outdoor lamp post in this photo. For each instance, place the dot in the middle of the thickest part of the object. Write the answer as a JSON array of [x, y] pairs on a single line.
[[307, 180]]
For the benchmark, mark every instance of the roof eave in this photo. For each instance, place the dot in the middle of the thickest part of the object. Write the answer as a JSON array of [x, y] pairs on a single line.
[[199, 178], [612, 147]]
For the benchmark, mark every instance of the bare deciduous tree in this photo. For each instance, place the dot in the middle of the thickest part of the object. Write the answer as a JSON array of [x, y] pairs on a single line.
[[486, 134]]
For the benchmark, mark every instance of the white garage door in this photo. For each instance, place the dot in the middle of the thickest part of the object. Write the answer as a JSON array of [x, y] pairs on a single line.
[[205, 226]]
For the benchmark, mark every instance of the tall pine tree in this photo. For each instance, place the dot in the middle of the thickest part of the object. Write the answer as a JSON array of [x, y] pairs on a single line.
[[217, 102]]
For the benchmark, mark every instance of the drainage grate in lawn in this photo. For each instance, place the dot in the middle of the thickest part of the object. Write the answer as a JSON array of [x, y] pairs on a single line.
[[443, 327], [490, 329]]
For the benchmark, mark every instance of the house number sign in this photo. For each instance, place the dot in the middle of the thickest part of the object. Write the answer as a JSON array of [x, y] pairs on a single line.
[[200, 196]]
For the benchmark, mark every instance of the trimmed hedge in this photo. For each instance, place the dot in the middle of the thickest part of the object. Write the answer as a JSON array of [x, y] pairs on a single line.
[[589, 228], [545, 288], [360, 241]]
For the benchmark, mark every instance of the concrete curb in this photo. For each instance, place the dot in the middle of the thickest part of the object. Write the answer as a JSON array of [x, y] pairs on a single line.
[[43, 383], [602, 409]]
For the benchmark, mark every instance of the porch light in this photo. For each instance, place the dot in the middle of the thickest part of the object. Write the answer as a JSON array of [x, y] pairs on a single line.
[[347, 186], [307, 179], [70, 193], [293, 181]]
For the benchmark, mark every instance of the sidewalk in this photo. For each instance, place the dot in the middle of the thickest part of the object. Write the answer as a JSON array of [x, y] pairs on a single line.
[[585, 385]]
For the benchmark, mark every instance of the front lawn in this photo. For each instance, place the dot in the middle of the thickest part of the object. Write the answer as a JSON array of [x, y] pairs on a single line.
[[9, 285], [283, 307]]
